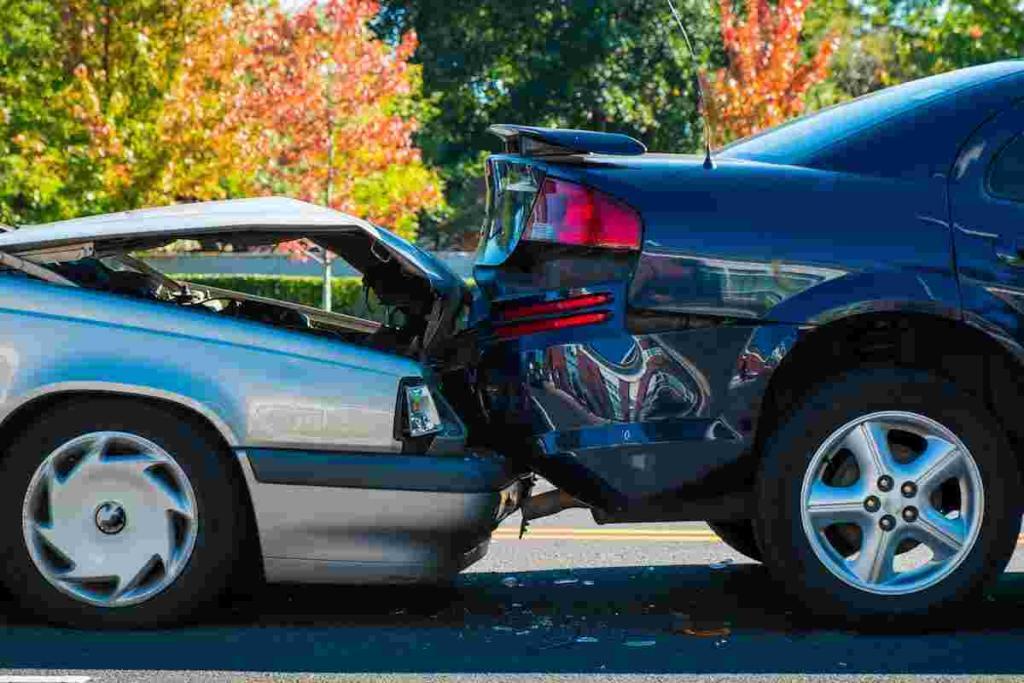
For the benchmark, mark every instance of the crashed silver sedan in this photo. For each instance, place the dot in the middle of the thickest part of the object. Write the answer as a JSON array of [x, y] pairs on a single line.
[[164, 440]]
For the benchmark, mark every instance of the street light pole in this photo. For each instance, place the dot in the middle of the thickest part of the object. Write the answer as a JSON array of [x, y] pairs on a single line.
[[326, 296]]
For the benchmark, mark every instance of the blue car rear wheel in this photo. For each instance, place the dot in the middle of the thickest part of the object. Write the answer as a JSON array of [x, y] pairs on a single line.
[[887, 493]]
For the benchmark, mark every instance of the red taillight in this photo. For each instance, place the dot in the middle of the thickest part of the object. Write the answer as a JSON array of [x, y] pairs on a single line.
[[568, 213], [551, 324], [574, 303]]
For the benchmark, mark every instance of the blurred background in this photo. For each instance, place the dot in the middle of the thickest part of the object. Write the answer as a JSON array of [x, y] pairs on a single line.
[[380, 107]]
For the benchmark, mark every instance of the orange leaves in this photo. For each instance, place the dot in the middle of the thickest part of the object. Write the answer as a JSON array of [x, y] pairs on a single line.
[[268, 101], [768, 75], [105, 149]]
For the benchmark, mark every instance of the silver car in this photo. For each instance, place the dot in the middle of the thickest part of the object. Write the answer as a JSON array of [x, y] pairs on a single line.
[[163, 439]]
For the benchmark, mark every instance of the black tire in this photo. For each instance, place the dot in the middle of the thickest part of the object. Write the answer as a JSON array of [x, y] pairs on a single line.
[[788, 553], [738, 535], [219, 497]]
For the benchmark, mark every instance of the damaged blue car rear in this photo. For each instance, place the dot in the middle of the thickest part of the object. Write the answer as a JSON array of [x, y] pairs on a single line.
[[812, 342]]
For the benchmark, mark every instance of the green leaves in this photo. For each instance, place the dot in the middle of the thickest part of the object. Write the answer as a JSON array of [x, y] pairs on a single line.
[[347, 292], [617, 65], [113, 104]]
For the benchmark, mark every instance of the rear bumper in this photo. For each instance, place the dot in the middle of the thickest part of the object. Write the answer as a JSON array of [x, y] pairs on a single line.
[[375, 518]]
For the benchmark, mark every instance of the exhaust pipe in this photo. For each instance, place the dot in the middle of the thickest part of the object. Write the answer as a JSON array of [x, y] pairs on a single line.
[[544, 505]]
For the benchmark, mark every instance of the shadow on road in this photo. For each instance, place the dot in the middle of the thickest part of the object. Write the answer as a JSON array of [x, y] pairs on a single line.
[[626, 619]]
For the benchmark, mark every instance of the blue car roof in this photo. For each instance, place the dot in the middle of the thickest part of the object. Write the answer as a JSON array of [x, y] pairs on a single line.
[[807, 139]]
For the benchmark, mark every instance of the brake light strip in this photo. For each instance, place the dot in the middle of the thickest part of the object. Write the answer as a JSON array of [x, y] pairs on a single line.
[[548, 307], [552, 324]]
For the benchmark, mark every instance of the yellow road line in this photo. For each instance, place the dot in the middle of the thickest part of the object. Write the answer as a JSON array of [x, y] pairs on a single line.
[[619, 539], [602, 534], [602, 531]]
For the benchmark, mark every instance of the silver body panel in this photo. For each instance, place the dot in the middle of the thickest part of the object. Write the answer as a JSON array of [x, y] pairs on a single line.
[[356, 535], [258, 385]]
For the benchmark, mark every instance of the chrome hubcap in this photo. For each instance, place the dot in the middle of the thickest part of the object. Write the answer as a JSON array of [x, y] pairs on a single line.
[[109, 518], [892, 502]]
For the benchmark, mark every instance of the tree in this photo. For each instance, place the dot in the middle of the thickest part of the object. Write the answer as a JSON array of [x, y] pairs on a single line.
[[110, 104], [33, 169], [270, 101], [933, 36], [892, 41], [81, 85], [617, 65], [768, 76]]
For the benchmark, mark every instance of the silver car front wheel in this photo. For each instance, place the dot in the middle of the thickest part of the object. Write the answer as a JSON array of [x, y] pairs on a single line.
[[118, 512], [110, 518]]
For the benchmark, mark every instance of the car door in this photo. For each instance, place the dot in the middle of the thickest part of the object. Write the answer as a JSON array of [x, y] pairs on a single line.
[[987, 209]]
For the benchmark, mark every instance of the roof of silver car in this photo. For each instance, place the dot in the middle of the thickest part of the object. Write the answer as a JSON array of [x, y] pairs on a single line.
[[260, 214]]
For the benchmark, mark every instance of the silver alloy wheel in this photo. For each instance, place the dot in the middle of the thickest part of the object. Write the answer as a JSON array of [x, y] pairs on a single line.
[[110, 519], [892, 502]]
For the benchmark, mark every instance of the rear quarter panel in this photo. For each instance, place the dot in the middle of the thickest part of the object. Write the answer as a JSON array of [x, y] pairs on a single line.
[[778, 250]]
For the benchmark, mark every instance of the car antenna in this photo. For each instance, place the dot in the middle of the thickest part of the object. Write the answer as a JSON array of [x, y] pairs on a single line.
[[702, 100]]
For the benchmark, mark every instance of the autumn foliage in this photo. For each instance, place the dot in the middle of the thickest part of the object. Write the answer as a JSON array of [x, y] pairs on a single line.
[[151, 102], [768, 75], [275, 102]]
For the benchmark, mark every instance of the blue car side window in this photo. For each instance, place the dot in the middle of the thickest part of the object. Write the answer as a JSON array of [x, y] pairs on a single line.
[[1006, 173]]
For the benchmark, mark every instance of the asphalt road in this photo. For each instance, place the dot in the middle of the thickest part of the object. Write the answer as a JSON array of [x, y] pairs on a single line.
[[573, 600]]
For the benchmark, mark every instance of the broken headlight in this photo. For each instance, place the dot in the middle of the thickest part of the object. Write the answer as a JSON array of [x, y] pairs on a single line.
[[420, 411]]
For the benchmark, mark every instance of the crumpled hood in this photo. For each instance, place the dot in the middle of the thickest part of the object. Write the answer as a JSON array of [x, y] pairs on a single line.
[[400, 273]]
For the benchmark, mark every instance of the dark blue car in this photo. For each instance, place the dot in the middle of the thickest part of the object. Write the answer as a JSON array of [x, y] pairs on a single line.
[[816, 345]]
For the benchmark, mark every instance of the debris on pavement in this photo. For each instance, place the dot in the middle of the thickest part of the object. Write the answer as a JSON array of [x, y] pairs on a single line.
[[707, 632], [640, 643], [684, 624]]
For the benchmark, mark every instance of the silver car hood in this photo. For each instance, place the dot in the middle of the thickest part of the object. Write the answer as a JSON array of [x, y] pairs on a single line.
[[182, 221], [426, 286]]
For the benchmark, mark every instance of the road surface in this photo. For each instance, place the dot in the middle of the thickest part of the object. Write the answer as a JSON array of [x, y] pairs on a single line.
[[573, 601]]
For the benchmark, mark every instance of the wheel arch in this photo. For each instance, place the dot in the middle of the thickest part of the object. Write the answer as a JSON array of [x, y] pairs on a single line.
[[26, 407], [966, 353]]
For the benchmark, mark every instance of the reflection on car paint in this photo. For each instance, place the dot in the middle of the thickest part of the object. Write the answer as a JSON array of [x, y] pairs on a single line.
[[645, 383], [725, 288]]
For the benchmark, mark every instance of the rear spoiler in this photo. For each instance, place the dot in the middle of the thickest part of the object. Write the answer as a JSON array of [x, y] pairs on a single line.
[[532, 141]]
